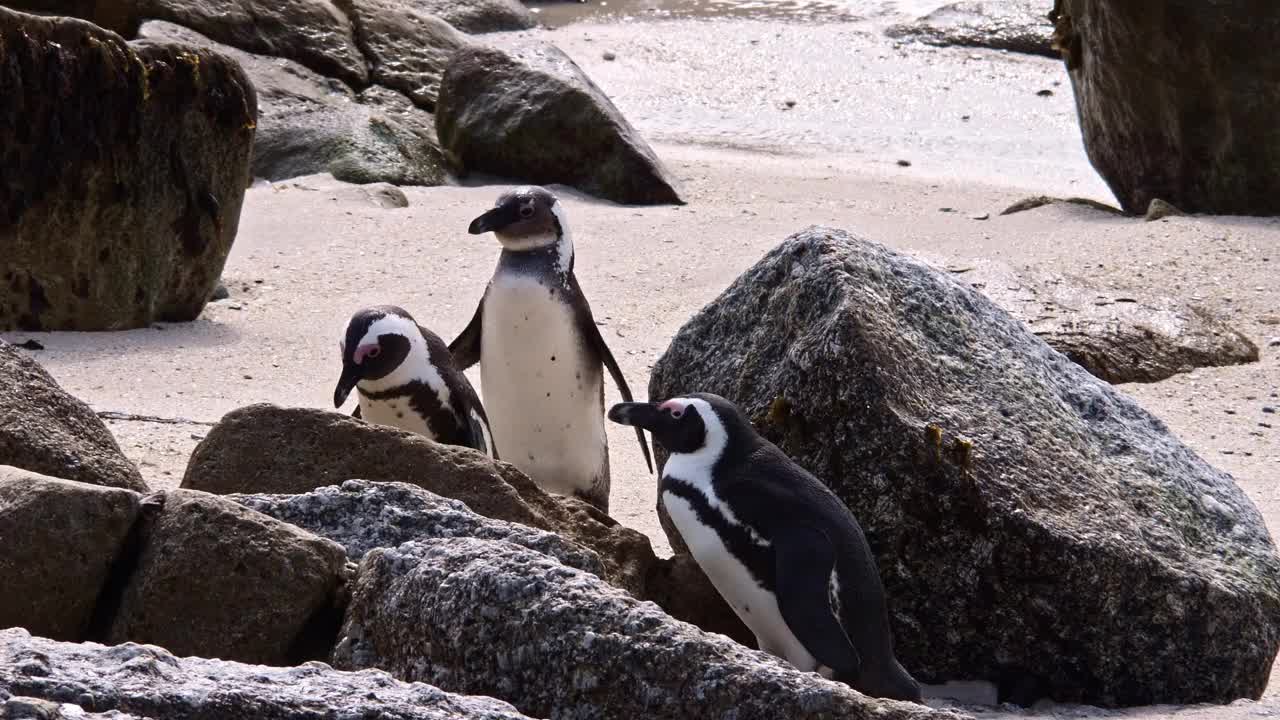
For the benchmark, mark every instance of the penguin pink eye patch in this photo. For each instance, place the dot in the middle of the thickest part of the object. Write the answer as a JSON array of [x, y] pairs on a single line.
[[675, 407], [366, 351]]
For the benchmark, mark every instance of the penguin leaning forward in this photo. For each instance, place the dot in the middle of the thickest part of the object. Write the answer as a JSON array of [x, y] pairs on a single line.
[[406, 378], [781, 548], [541, 356]]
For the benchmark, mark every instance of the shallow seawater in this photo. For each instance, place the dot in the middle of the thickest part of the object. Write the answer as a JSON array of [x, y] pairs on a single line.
[[559, 14]]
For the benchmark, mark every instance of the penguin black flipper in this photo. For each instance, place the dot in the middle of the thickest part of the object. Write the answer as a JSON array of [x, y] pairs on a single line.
[[590, 332], [467, 407], [465, 348], [804, 559], [356, 413]]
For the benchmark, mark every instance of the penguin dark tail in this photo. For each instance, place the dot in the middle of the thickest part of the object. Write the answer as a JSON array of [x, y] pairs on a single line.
[[892, 682]]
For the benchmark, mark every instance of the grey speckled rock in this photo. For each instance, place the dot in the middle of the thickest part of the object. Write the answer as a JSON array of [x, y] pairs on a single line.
[[268, 449], [149, 682], [1033, 526], [1018, 25], [315, 33], [308, 123], [528, 112], [490, 617], [479, 16], [407, 48], [362, 516], [45, 430], [27, 708], [1118, 337], [1170, 103]]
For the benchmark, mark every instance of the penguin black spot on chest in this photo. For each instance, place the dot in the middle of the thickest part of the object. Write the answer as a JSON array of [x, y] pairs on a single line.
[[421, 399]]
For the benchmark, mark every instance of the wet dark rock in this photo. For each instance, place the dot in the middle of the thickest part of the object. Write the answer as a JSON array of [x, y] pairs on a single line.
[[1033, 526], [308, 123], [493, 618], [314, 33], [1159, 209], [45, 430], [529, 113], [268, 449], [125, 169], [407, 48], [149, 682], [1038, 201], [1171, 106], [216, 579], [1017, 25], [1119, 337], [362, 516], [479, 16], [118, 16], [58, 542]]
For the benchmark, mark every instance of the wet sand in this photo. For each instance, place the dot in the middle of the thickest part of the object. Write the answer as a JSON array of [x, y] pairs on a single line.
[[712, 96]]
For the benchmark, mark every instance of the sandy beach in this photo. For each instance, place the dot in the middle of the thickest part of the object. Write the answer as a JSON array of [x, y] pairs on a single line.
[[770, 126]]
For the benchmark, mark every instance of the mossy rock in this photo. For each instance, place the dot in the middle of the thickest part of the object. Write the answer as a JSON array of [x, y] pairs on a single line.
[[125, 170]]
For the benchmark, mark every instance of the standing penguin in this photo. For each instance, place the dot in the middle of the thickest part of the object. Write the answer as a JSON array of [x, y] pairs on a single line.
[[541, 355], [780, 547], [406, 378]]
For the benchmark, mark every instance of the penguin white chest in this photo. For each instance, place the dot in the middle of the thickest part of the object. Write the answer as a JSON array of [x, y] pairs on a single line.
[[541, 388], [755, 606], [394, 412]]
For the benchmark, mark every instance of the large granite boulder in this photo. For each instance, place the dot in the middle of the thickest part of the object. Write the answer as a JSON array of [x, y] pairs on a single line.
[[308, 123], [1033, 526], [268, 449], [490, 617], [1117, 336], [407, 48], [363, 516], [1016, 25], [314, 33], [146, 681], [59, 541], [45, 430], [289, 451], [528, 112], [124, 173], [216, 579], [1174, 101]]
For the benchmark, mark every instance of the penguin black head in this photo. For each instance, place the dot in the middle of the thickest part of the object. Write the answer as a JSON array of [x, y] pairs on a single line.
[[377, 343], [525, 219], [696, 423]]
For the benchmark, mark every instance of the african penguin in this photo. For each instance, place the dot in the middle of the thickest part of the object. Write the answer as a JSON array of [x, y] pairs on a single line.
[[541, 355], [405, 378], [781, 548]]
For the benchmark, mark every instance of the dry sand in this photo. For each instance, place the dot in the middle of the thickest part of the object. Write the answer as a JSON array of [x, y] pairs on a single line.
[[712, 96]]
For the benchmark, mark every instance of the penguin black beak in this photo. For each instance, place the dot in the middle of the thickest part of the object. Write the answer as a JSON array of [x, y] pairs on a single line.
[[636, 414], [350, 376], [494, 220]]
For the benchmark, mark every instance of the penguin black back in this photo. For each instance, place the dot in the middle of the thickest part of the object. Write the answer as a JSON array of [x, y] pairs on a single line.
[[766, 531]]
